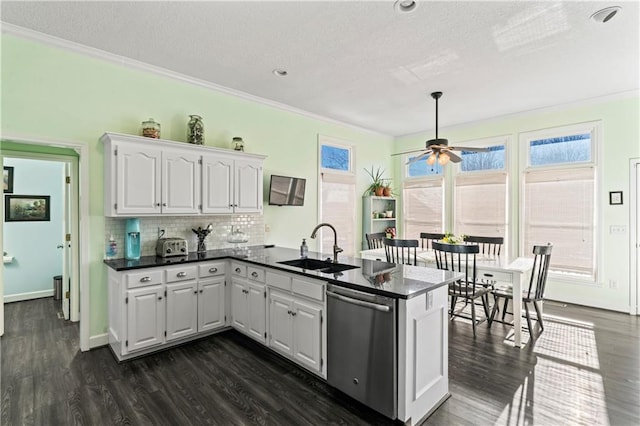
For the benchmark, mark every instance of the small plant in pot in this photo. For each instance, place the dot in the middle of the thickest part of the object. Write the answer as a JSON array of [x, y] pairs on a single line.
[[377, 185], [387, 191]]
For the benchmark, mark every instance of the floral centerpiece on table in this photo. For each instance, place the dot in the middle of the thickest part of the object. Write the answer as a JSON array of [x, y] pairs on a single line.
[[449, 238], [390, 231]]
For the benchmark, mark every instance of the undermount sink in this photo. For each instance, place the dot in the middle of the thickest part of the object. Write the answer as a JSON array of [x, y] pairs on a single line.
[[324, 266]]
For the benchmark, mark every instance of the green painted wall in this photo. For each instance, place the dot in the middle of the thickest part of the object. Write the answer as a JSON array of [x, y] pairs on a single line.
[[621, 142], [52, 93]]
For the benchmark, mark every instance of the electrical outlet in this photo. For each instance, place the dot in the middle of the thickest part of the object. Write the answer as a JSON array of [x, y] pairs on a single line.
[[267, 228], [613, 284], [617, 229]]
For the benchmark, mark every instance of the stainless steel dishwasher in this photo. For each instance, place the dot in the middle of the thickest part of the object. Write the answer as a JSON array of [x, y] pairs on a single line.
[[361, 347]]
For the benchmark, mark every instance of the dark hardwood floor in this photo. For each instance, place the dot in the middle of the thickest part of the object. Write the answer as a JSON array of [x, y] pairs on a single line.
[[583, 369]]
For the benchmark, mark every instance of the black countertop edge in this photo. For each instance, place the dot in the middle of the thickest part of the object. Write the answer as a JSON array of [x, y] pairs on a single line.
[[386, 279]]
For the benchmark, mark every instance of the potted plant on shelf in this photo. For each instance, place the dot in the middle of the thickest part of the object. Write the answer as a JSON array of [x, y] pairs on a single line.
[[387, 191], [377, 185]]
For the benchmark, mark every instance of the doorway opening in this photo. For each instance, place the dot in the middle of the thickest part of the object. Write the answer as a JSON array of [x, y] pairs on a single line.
[[37, 229], [72, 157]]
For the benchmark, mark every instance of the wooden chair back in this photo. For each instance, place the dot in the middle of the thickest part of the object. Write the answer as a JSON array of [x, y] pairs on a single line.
[[375, 240], [429, 238], [401, 251], [458, 258], [538, 280], [488, 245]]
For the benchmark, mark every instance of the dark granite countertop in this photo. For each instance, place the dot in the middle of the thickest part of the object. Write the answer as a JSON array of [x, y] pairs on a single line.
[[387, 279]]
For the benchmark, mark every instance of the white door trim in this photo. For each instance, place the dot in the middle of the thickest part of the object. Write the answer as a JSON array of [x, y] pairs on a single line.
[[80, 292], [634, 236]]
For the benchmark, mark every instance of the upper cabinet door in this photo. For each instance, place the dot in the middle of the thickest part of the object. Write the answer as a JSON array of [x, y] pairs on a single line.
[[138, 171], [217, 184], [180, 182], [248, 186]]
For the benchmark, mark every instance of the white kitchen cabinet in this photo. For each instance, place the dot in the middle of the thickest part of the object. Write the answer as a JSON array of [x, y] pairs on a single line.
[[296, 308], [154, 308], [182, 309], [150, 177], [248, 301], [231, 185], [211, 302], [295, 328], [145, 307]]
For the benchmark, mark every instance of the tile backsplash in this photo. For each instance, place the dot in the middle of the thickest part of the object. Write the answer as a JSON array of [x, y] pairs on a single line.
[[180, 226]]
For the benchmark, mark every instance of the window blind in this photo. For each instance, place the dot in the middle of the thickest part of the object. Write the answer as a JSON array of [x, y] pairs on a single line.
[[337, 207], [559, 208], [481, 204], [423, 206]]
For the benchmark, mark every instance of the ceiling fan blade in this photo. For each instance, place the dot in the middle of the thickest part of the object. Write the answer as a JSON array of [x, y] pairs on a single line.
[[407, 152], [453, 157], [419, 157], [467, 148]]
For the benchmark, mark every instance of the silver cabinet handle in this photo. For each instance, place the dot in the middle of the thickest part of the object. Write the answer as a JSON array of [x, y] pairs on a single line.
[[289, 312], [213, 270], [181, 274], [201, 291], [157, 204], [238, 270], [254, 274], [195, 292], [145, 279], [160, 298], [293, 313]]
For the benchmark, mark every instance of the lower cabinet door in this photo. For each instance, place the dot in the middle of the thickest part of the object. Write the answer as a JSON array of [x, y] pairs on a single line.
[[257, 312], [211, 303], [281, 323], [307, 334], [182, 310], [145, 317], [239, 305]]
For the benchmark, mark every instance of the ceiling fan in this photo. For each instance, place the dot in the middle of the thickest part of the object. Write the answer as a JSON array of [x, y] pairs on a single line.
[[438, 148]]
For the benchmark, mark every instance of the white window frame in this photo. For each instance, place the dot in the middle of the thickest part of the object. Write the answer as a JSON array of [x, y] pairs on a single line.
[[342, 144], [594, 128]]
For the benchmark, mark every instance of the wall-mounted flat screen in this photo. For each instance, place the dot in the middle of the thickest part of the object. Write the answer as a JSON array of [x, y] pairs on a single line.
[[286, 191]]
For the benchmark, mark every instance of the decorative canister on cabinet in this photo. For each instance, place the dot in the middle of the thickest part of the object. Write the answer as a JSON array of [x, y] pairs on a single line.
[[238, 144], [151, 129], [195, 130]]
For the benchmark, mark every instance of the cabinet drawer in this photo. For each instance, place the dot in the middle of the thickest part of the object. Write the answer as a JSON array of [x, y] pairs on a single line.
[[499, 276], [255, 274], [144, 278], [314, 290], [280, 281], [211, 269], [181, 273], [238, 269]]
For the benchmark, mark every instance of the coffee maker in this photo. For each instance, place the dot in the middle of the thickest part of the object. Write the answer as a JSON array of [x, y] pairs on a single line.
[[132, 241]]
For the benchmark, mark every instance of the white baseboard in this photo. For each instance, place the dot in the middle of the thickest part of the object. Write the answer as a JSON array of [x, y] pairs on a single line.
[[98, 340], [28, 296]]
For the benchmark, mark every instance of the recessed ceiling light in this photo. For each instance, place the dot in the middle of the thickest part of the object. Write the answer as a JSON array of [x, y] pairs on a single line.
[[279, 72], [606, 14], [405, 6]]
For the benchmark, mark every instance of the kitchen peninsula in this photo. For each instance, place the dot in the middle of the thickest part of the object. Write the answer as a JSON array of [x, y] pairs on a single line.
[[156, 302]]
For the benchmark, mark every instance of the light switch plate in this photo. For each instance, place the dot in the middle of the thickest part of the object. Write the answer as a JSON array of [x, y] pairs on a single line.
[[618, 229]]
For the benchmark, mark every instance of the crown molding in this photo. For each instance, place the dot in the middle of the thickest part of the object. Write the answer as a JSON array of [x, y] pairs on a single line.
[[92, 52]]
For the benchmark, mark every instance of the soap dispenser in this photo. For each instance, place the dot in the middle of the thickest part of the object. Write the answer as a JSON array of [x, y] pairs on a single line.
[[304, 248]]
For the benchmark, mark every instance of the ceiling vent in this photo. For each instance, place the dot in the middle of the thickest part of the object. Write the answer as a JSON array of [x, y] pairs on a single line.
[[605, 15]]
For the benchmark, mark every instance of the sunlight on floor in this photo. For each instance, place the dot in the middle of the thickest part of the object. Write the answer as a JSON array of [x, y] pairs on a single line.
[[567, 369]]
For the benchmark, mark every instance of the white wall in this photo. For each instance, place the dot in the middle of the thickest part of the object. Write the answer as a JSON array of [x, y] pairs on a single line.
[[34, 244]]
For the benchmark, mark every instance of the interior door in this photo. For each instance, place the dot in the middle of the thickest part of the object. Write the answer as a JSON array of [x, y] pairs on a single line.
[[66, 251]]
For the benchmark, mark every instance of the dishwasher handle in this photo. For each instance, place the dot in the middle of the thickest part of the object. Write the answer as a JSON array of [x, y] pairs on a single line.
[[383, 308]]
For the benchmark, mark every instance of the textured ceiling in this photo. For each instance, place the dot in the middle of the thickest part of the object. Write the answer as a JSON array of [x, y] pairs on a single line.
[[363, 63]]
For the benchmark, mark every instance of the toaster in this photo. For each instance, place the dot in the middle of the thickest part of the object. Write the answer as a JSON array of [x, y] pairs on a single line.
[[166, 247]]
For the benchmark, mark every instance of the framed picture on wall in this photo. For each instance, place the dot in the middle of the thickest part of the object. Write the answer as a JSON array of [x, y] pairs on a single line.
[[27, 208], [7, 180]]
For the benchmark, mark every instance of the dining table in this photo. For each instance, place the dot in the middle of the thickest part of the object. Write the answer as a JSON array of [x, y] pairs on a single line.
[[500, 268]]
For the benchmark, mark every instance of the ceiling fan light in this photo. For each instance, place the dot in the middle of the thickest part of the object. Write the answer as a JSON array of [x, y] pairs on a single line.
[[443, 158], [431, 159]]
